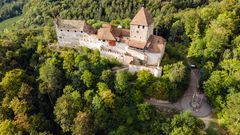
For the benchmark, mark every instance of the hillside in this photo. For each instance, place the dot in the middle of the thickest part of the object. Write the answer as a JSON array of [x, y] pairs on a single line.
[[75, 91], [8, 24], [11, 8]]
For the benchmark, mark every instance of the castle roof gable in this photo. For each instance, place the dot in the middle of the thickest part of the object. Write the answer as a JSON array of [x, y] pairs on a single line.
[[142, 18]]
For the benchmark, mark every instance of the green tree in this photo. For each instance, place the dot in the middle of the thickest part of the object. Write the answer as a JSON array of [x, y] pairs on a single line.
[[66, 109], [182, 131], [145, 112], [231, 113], [107, 76], [83, 124], [38, 122], [8, 127], [144, 78], [12, 81], [51, 77], [106, 95], [88, 78], [121, 82], [184, 122], [174, 72]]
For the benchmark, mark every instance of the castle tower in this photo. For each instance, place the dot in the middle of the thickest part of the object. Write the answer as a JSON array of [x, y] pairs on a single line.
[[141, 27]]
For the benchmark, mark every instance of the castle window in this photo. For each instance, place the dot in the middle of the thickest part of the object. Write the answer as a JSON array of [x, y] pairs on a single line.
[[137, 31], [61, 30], [138, 26], [143, 27], [75, 31], [68, 30], [81, 31], [103, 40]]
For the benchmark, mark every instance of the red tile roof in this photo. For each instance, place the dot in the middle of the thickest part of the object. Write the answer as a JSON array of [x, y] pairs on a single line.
[[142, 18], [105, 33], [136, 43], [108, 32], [157, 44]]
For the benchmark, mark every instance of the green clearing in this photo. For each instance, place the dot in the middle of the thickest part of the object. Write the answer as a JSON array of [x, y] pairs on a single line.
[[9, 23]]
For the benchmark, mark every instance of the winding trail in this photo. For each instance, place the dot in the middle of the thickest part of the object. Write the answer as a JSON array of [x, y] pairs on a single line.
[[184, 104]]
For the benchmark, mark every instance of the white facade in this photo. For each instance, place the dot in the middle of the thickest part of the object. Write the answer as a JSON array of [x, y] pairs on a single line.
[[136, 53], [153, 58], [90, 41], [68, 37], [143, 51]]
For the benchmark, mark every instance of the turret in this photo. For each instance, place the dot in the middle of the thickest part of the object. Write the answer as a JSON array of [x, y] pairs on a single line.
[[141, 27]]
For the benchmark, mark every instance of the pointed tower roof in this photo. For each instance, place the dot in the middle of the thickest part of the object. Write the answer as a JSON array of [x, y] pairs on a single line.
[[142, 18]]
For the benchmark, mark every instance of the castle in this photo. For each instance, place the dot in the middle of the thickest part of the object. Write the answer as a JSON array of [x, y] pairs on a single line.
[[137, 48]]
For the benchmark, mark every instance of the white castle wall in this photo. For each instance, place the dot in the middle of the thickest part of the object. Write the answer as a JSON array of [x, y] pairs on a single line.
[[90, 41], [153, 58], [69, 38], [118, 56], [157, 72], [136, 53]]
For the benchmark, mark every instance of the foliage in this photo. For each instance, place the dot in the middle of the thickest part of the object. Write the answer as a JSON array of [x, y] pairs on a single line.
[[222, 82], [230, 114], [9, 127], [66, 109], [83, 124], [75, 90], [184, 123]]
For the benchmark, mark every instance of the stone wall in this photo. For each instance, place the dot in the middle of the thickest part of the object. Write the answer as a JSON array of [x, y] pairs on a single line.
[[153, 59], [68, 37], [90, 41], [136, 53], [157, 72], [139, 32]]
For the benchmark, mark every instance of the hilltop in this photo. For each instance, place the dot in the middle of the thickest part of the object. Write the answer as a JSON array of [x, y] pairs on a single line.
[[49, 90]]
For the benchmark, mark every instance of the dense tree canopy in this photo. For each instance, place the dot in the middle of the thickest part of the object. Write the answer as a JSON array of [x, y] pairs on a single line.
[[75, 91]]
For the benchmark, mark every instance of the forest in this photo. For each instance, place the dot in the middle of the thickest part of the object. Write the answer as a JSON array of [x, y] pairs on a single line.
[[75, 91]]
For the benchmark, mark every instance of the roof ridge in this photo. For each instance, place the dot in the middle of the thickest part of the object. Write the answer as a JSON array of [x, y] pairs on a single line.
[[142, 18]]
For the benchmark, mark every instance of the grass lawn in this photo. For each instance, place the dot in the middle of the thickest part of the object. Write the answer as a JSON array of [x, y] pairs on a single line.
[[9, 22]]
